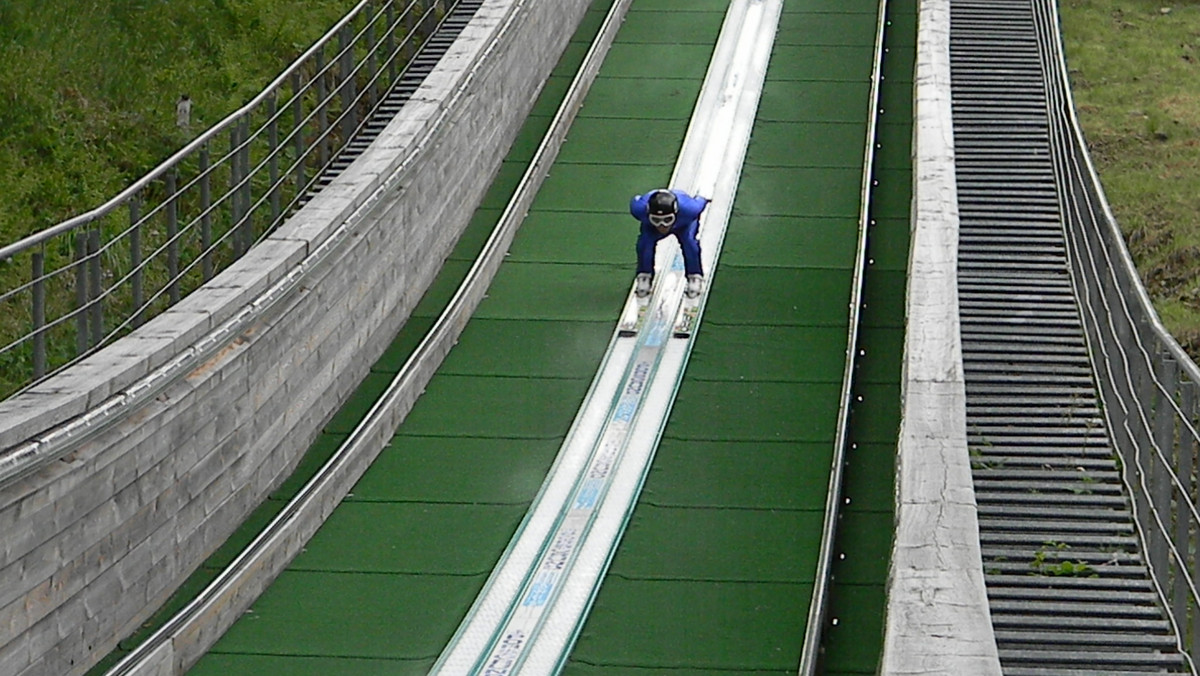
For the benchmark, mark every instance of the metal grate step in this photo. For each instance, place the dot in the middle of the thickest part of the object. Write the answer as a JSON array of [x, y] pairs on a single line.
[[452, 25], [1068, 590]]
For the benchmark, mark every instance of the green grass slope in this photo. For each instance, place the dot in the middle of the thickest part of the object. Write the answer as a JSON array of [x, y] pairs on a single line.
[[89, 87], [1135, 74]]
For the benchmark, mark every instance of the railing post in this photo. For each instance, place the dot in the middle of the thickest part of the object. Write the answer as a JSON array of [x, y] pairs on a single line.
[[172, 237], [1142, 475], [411, 23], [372, 56], [298, 135], [322, 110], [273, 158], [206, 239], [1163, 430], [235, 180], [390, 42], [348, 92], [39, 314], [246, 192], [1185, 526], [95, 298], [135, 264], [81, 294]]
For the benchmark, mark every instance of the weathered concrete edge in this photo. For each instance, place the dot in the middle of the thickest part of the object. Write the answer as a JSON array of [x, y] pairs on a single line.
[[938, 619]]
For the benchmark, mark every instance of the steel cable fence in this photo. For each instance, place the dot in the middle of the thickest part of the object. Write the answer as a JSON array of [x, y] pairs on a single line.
[[1148, 384], [76, 287]]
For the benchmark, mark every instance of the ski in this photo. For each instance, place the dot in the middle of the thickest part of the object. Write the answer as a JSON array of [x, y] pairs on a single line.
[[634, 315], [685, 317]]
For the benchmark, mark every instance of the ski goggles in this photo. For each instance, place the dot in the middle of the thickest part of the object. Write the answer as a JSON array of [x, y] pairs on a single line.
[[662, 220]]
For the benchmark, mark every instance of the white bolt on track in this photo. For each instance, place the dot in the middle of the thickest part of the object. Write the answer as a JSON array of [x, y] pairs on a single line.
[[534, 604]]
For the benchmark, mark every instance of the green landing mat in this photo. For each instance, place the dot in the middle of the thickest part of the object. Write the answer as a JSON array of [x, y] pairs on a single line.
[[870, 476], [864, 554], [738, 475], [627, 60], [694, 626], [804, 101], [608, 141], [800, 191], [825, 144], [579, 237], [623, 98], [351, 616], [498, 407], [852, 646], [754, 411], [549, 349], [768, 353], [818, 62], [600, 188], [780, 296], [554, 291], [811, 242], [413, 538], [298, 665], [445, 469], [888, 244], [880, 350], [714, 574], [710, 544], [884, 303], [848, 29]]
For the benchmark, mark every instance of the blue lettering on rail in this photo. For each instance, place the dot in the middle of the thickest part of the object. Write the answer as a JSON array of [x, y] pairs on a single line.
[[560, 551], [506, 654], [624, 412], [588, 494], [539, 591], [637, 379]]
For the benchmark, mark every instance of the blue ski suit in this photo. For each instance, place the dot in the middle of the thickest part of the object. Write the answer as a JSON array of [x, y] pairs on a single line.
[[685, 229]]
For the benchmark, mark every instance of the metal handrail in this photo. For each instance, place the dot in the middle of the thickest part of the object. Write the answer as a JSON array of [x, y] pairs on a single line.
[[190, 149], [79, 285], [1148, 384]]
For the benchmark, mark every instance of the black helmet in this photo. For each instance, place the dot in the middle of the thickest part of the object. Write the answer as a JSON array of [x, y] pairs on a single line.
[[662, 202]]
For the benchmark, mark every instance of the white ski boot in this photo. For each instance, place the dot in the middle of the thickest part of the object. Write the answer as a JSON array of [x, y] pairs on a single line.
[[641, 288], [695, 284]]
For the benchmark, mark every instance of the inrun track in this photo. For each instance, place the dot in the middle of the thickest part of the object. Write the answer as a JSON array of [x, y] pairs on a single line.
[[722, 555]]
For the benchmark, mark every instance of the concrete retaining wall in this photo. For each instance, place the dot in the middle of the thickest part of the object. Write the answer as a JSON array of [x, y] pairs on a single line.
[[938, 621], [95, 541]]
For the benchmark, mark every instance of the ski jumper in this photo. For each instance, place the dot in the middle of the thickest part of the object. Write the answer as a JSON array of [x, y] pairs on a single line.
[[685, 229]]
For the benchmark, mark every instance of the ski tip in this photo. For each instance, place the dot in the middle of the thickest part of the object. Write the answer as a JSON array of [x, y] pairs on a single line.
[[626, 333]]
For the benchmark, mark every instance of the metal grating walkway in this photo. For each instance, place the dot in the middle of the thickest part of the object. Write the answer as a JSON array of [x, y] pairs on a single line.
[[426, 59], [1068, 590]]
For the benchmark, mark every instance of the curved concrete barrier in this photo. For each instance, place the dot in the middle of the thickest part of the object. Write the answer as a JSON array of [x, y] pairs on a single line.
[[167, 440], [938, 621]]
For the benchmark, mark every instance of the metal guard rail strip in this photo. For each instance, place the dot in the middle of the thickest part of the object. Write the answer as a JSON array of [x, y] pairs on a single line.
[[1150, 387], [818, 610]]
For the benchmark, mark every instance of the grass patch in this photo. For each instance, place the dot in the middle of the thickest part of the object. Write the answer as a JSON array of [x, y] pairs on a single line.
[[88, 91], [88, 106], [1135, 75]]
